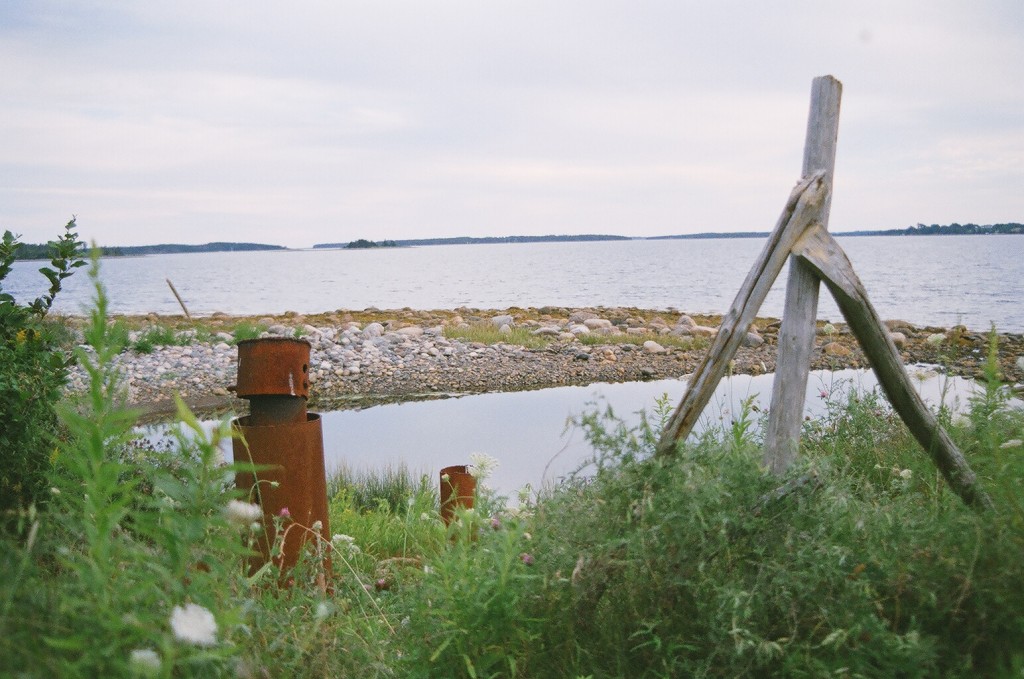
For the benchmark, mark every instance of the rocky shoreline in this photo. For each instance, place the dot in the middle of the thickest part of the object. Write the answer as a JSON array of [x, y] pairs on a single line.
[[374, 356]]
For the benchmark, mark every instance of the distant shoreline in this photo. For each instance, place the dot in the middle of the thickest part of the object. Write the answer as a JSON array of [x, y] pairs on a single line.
[[41, 252]]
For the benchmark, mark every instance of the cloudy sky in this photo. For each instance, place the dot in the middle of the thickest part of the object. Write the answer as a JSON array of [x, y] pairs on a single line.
[[322, 121]]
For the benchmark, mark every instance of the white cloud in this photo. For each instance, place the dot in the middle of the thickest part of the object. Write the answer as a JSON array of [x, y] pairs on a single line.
[[327, 121]]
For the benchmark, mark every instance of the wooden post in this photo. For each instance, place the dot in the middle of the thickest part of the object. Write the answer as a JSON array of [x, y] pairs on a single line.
[[802, 209], [178, 297], [827, 260], [796, 336]]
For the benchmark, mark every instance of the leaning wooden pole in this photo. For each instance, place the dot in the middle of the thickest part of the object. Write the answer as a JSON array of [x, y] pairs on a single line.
[[796, 336], [178, 297], [802, 209], [820, 252]]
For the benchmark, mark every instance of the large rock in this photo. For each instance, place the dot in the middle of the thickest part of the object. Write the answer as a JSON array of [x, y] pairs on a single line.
[[410, 331], [752, 339], [580, 316], [596, 323], [835, 349], [372, 330], [503, 319], [686, 322], [652, 347]]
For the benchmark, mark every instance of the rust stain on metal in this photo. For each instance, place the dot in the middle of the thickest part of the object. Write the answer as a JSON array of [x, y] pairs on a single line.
[[276, 366], [458, 489], [293, 487], [285, 443]]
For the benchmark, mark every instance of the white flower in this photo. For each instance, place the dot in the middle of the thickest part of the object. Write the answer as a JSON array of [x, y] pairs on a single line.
[[482, 465], [194, 624], [323, 609], [318, 526], [346, 542], [906, 474], [145, 661], [242, 513]]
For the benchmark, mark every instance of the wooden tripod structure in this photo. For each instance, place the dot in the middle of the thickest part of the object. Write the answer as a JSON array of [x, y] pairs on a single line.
[[801, 236]]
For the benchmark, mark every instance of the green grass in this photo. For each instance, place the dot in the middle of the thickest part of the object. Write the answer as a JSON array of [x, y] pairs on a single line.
[[641, 567], [667, 341], [486, 333], [247, 331], [160, 336]]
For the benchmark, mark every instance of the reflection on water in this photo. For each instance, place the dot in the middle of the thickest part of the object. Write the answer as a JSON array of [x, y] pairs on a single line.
[[530, 432]]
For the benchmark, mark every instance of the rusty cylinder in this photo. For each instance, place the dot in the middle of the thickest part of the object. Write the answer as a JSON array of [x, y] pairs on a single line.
[[285, 443], [458, 489]]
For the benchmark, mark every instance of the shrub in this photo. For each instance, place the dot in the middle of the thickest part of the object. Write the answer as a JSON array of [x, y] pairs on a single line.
[[33, 369]]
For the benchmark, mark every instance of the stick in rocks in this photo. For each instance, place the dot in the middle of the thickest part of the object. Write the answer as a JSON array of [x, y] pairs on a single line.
[[178, 297]]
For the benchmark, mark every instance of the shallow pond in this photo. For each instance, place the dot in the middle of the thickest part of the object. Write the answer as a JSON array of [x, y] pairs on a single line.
[[530, 432]]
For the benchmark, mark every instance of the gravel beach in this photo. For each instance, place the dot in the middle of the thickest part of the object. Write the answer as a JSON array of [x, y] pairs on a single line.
[[359, 358]]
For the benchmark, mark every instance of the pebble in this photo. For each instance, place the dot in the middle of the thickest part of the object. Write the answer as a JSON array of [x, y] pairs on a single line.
[[348, 359]]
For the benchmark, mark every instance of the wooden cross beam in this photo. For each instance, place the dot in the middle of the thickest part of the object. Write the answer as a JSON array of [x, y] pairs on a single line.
[[801, 235]]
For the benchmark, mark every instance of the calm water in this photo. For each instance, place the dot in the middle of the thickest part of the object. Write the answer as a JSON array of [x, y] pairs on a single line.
[[529, 432], [927, 280]]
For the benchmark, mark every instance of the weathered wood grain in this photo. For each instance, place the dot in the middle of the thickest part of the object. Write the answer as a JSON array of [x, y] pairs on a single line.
[[804, 207], [820, 252], [796, 335]]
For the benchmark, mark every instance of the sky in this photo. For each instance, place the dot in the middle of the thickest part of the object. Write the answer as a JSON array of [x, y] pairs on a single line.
[[327, 121]]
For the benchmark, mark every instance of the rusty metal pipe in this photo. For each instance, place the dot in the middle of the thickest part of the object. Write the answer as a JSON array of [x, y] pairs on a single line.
[[285, 443], [458, 490]]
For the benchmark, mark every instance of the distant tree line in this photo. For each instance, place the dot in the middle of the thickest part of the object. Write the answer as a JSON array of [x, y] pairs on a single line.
[[472, 240], [961, 229], [42, 251], [363, 244]]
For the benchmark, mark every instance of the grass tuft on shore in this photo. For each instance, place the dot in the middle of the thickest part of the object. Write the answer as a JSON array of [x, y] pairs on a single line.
[[487, 333]]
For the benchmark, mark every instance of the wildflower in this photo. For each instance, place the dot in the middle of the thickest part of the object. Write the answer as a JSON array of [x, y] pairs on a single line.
[[445, 478], [823, 394], [284, 513], [524, 494], [495, 523], [1012, 443], [323, 609], [318, 526], [526, 558], [194, 624], [482, 465], [145, 661], [906, 474], [347, 542], [241, 513], [527, 536], [424, 516]]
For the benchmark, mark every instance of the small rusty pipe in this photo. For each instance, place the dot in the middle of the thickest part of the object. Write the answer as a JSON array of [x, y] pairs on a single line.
[[458, 490], [285, 443]]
